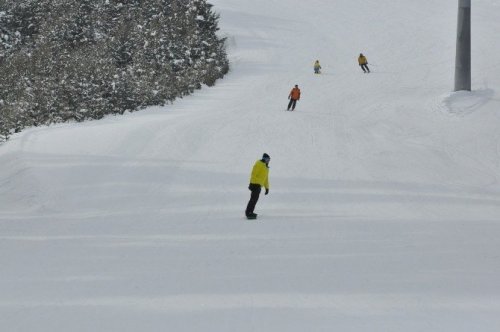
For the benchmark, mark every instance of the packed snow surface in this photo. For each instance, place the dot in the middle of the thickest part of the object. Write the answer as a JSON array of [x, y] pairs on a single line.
[[384, 208]]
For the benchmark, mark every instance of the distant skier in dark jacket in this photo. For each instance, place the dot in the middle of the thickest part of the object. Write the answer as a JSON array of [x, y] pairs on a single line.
[[363, 63], [258, 179], [293, 96]]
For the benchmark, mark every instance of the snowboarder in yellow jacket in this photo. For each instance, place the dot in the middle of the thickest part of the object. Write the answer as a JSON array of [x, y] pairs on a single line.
[[258, 179]]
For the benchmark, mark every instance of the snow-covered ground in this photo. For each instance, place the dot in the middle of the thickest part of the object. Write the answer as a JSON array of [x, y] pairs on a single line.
[[384, 209]]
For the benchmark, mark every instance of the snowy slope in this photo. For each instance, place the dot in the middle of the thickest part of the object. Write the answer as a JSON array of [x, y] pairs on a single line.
[[384, 207]]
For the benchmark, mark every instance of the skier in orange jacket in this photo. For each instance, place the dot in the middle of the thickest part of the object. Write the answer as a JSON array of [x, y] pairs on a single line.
[[293, 96]]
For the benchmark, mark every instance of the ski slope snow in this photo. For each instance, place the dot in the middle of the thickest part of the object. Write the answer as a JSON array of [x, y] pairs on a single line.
[[384, 208]]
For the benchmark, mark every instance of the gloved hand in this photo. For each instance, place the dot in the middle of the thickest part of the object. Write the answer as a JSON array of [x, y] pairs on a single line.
[[267, 191]]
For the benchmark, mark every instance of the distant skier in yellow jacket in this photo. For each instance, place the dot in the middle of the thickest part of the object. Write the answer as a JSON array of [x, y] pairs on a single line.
[[363, 63], [258, 179], [317, 67]]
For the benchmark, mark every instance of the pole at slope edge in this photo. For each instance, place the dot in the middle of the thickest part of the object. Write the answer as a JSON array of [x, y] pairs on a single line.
[[463, 56]]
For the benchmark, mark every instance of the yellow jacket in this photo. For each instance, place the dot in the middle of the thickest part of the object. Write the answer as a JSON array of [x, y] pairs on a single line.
[[260, 174], [362, 60]]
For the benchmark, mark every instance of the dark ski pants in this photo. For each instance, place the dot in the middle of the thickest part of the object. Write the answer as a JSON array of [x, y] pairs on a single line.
[[292, 104], [254, 197], [365, 68]]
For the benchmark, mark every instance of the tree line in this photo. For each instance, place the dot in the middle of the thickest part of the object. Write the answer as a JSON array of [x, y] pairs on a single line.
[[72, 60]]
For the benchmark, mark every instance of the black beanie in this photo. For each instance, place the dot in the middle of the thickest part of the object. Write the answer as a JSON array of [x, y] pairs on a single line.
[[265, 156]]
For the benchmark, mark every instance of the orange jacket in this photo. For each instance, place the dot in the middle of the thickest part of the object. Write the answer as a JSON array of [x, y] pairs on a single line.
[[294, 94]]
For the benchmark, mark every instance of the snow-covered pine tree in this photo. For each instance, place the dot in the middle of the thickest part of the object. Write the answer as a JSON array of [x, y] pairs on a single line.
[[82, 59], [209, 53]]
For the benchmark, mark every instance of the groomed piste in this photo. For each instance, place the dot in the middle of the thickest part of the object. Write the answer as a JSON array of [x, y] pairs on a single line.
[[384, 205]]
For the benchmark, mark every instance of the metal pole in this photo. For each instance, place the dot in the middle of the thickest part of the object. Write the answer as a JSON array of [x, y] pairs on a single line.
[[463, 57]]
